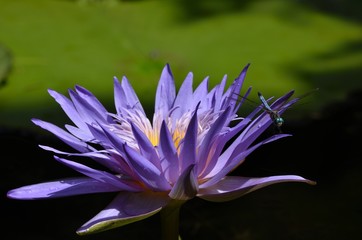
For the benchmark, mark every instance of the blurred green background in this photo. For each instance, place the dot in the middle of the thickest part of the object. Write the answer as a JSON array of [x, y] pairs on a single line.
[[299, 45], [56, 44]]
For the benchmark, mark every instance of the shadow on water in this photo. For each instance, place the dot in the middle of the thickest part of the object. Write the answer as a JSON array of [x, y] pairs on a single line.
[[194, 10], [335, 76], [6, 64], [190, 10], [325, 149], [346, 9]]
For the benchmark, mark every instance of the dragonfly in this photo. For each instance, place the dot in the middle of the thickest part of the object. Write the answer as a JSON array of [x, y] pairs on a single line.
[[274, 113]]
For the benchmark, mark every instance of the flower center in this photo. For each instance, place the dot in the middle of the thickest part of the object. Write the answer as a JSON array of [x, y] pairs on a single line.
[[177, 127]]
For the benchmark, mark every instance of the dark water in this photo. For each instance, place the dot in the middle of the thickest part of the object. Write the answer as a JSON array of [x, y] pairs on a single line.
[[326, 148]]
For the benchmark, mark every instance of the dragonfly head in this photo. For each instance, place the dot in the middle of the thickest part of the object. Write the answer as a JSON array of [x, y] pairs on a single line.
[[278, 121]]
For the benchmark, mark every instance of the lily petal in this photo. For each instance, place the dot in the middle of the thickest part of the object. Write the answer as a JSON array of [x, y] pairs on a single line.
[[205, 147], [61, 188], [183, 98], [168, 154], [92, 101], [200, 93], [125, 97], [148, 173], [219, 90], [188, 149], [98, 156], [232, 187], [86, 111], [146, 148], [230, 134], [186, 186], [234, 90], [69, 108], [63, 135], [101, 176], [166, 92], [219, 171], [220, 143], [124, 209], [81, 133]]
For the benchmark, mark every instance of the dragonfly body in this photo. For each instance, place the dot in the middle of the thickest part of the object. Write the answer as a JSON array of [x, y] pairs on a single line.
[[274, 115], [281, 104]]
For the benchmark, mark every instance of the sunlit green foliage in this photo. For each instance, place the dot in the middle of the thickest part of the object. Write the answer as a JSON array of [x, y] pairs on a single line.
[[57, 44]]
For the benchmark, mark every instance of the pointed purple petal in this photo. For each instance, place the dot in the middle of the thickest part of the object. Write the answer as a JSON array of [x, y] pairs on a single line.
[[99, 157], [168, 154], [218, 147], [148, 173], [219, 90], [124, 209], [108, 137], [166, 92], [92, 101], [125, 97], [63, 135], [87, 112], [146, 148], [81, 133], [101, 176], [131, 96], [116, 144], [234, 90], [232, 187], [184, 98], [248, 136], [120, 100], [69, 108], [208, 102], [101, 136], [61, 188], [188, 148], [221, 169], [186, 186], [205, 147], [200, 92]]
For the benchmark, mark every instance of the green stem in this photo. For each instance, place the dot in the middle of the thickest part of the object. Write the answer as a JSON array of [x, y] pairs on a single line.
[[170, 220]]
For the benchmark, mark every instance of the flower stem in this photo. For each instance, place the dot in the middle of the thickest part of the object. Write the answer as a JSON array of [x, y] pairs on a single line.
[[170, 220]]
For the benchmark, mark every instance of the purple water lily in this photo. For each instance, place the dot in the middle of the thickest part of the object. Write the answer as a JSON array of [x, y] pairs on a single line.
[[185, 152]]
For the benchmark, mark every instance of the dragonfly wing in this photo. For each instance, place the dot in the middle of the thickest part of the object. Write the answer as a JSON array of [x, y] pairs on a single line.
[[264, 102]]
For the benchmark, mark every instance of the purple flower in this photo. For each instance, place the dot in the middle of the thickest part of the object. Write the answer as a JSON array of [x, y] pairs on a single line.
[[185, 152]]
